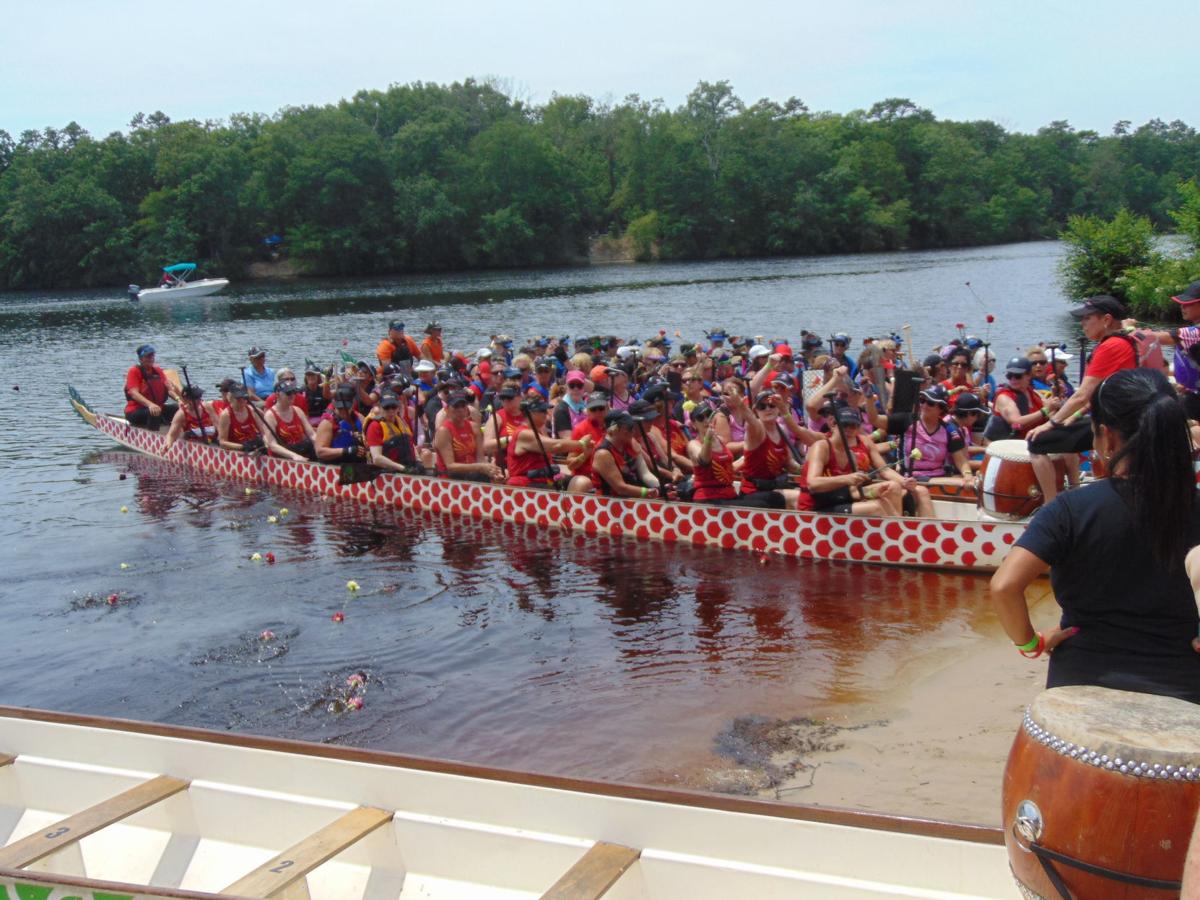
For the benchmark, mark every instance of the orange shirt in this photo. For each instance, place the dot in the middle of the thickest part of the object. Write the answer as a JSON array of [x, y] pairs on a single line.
[[385, 348], [432, 345]]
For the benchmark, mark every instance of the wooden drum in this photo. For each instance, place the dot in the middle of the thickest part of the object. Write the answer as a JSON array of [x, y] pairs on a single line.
[[1007, 486], [1102, 786]]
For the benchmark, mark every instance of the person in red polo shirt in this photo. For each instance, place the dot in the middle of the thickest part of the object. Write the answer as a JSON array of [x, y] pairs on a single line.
[[1064, 431], [147, 392]]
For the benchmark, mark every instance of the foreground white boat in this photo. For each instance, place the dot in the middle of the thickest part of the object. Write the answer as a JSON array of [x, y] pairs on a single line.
[[108, 809]]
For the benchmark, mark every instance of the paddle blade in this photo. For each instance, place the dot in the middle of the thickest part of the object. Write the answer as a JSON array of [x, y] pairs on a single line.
[[349, 359], [357, 473]]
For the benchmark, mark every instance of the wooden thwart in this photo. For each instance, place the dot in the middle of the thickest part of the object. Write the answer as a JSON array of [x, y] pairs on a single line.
[[5, 759], [594, 874], [30, 849], [288, 867]]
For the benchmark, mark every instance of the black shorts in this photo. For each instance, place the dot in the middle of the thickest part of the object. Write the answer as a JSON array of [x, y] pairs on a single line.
[[1073, 438], [837, 500]]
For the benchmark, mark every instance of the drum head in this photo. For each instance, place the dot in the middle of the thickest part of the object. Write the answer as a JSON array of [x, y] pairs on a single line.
[[1010, 451], [1101, 726]]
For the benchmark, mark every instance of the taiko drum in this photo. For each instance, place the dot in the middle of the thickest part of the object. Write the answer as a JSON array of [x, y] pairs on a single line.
[[1008, 487], [1102, 788]]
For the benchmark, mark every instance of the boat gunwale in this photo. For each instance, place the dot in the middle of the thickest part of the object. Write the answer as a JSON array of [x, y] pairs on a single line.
[[827, 815], [117, 888]]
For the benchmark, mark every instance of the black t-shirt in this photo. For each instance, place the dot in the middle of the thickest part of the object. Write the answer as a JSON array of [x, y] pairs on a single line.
[[1136, 619]]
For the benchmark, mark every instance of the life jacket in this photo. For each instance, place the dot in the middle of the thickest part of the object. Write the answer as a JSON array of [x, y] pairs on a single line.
[[290, 431], [202, 428], [152, 385], [766, 462], [714, 480], [243, 431], [624, 466], [315, 401], [1147, 353], [935, 447], [462, 444], [346, 435], [398, 442], [527, 468], [997, 428]]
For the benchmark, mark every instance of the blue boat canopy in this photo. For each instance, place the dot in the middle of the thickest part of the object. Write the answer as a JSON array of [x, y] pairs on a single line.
[[180, 267]]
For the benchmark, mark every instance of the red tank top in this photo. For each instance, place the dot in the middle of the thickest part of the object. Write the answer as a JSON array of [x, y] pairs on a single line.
[[715, 480], [242, 431], [462, 443], [862, 458], [520, 465], [624, 463], [291, 431], [198, 428], [766, 461], [1030, 401]]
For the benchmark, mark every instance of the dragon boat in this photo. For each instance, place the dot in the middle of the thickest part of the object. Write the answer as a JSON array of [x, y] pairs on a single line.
[[105, 809], [960, 537]]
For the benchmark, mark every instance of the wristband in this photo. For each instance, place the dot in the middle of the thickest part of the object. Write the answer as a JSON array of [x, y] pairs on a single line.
[[1039, 645], [644, 493], [1028, 645], [1054, 423], [1045, 412]]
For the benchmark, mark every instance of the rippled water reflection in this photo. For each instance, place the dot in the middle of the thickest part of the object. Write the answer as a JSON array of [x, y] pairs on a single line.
[[534, 649]]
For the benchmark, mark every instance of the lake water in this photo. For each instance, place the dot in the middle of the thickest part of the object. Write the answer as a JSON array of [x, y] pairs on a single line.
[[478, 642]]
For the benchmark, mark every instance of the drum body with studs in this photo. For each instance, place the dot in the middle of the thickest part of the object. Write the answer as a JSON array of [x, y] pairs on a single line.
[[1100, 794], [1007, 485]]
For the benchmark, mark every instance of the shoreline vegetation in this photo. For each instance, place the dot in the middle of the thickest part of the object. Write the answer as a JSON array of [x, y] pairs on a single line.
[[425, 177]]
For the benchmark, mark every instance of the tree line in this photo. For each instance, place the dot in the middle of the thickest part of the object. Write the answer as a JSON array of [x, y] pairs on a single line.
[[423, 177]]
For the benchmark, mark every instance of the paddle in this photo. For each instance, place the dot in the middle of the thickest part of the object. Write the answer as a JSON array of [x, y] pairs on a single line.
[[662, 488], [358, 472], [501, 456]]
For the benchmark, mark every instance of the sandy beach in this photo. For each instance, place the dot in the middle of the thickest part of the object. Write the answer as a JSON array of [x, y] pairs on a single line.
[[935, 743]]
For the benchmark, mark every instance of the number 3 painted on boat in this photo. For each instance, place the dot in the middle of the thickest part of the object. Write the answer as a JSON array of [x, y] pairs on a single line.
[[57, 833]]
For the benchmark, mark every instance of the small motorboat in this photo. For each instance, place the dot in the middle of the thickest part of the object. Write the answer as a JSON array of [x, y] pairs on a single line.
[[176, 286]]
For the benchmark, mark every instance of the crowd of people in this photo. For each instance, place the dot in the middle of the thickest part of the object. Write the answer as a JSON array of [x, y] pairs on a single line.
[[822, 425]]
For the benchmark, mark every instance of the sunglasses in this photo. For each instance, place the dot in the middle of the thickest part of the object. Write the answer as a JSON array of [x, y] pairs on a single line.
[[574, 384], [925, 402], [958, 365], [1016, 376], [767, 405], [1037, 362]]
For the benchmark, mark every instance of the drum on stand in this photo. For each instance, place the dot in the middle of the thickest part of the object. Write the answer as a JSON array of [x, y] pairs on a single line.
[[1100, 794], [1007, 484]]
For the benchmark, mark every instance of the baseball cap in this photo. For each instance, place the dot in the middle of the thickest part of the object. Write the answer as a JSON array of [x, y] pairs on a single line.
[[483, 353], [145, 350], [643, 411], [619, 417], [535, 404], [388, 400], [239, 390], [576, 377], [507, 392], [1018, 365], [1101, 304], [968, 402], [256, 352], [758, 350], [344, 396], [425, 365], [936, 394], [396, 325], [1189, 295], [457, 398], [597, 401], [598, 373], [848, 415]]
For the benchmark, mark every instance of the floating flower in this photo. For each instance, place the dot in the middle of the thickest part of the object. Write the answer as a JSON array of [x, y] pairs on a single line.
[[283, 512], [272, 519], [989, 318], [270, 558], [124, 565], [249, 491], [352, 586], [356, 680], [266, 635], [112, 599], [124, 509], [338, 617], [355, 703], [959, 325], [763, 559], [255, 557]]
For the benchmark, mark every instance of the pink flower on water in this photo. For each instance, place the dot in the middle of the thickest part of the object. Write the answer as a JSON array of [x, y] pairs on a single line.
[[990, 318], [338, 617], [270, 558], [354, 703], [356, 680], [267, 635]]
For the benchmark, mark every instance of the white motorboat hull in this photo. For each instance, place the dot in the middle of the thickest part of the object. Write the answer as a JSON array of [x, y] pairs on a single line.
[[188, 289]]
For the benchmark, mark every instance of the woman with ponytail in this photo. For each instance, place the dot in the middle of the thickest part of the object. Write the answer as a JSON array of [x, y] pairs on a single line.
[[1115, 553]]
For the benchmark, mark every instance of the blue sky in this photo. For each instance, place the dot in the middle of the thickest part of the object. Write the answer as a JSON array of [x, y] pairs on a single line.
[[1021, 64]]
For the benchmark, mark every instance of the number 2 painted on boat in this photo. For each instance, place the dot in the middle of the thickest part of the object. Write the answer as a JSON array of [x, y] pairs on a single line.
[[283, 864]]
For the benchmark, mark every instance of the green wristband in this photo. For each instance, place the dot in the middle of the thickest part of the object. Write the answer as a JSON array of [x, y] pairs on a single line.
[[1030, 646]]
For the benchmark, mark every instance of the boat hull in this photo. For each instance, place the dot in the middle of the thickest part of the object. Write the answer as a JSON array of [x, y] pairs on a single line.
[[201, 288], [451, 830], [961, 541]]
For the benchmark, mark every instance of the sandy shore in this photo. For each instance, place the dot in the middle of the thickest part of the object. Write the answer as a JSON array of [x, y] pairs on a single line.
[[934, 745]]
